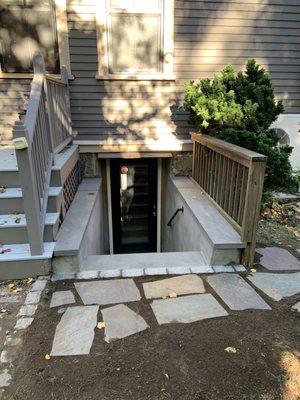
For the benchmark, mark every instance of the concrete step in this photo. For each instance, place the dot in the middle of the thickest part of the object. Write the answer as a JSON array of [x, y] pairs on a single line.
[[11, 200], [18, 263], [13, 228], [139, 264]]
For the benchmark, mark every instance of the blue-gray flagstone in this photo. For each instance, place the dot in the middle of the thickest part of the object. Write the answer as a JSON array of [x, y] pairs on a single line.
[[277, 286], [74, 333], [108, 292], [187, 309], [184, 284], [277, 259], [236, 293], [121, 321]]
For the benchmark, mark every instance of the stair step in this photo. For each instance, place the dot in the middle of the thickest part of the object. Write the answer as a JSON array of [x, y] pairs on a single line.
[[16, 232], [21, 252], [19, 263], [11, 200], [145, 263]]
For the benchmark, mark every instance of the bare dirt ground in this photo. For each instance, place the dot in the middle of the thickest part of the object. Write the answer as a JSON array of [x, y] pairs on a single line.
[[175, 361]]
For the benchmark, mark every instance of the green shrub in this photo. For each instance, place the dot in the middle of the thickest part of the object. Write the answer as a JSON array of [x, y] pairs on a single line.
[[239, 108]]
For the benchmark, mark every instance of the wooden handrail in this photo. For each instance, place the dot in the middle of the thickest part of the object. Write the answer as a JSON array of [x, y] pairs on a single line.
[[45, 130], [232, 177], [236, 153]]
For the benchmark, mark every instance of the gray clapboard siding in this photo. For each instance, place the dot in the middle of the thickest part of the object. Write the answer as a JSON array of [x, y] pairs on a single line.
[[208, 36]]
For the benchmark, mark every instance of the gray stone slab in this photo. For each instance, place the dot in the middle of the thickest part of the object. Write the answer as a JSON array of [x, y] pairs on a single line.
[[187, 309], [277, 259], [39, 285], [61, 298], [223, 268], [27, 310], [108, 292], [236, 293], [185, 284], [121, 321], [74, 333], [33, 297], [5, 378], [277, 286], [23, 323], [296, 307]]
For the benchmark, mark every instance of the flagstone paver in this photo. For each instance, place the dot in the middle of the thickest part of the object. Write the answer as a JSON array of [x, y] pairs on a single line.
[[296, 307], [185, 284], [62, 298], [236, 293], [187, 309], [39, 285], [74, 333], [23, 323], [27, 310], [108, 292], [121, 321], [277, 259], [5, 378], [277, 286]]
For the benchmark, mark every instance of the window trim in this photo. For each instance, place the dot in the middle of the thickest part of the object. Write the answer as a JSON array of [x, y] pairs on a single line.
[[103, 48]]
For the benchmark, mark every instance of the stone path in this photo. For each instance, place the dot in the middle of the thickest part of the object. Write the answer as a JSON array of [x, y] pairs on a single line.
[[179, 299], [187, 309], [236, 293], [74, 334], [120, 322], [277, 259], [277, 286], [186, 284], [108, 292]]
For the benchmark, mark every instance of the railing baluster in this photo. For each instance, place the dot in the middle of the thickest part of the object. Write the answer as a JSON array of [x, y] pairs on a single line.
[[233, 178], [45, 130]]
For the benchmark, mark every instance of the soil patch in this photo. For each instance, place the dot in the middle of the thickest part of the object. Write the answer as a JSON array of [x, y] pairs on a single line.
[[175, 361]]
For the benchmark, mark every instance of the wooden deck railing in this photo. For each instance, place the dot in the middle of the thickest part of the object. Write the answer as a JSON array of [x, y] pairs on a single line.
[[36, 138], [59, 110], [233, 178]]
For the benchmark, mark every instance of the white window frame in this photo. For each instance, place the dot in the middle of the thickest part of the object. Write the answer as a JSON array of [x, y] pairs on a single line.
[[103, 47]]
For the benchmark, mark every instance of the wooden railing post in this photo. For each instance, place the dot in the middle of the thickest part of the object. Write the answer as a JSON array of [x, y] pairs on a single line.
[[28, 184], [252, 209], [38, 63]]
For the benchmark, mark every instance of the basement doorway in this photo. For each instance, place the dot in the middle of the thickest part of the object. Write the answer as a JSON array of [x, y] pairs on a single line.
[[134, 204]]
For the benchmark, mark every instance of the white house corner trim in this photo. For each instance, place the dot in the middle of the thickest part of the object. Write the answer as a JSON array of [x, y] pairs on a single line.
[[63, 34]]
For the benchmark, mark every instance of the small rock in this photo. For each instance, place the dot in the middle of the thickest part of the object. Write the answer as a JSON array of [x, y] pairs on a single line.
[[230, 349]]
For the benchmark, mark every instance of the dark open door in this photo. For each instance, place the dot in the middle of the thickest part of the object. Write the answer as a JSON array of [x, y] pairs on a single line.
[[134, 205]]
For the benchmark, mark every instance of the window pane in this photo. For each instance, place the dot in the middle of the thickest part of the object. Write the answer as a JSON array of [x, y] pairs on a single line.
[[122, 4], [135, 43], [25, 30]]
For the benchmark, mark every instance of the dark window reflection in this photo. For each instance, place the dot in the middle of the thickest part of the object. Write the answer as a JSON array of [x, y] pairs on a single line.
[[25, 27]]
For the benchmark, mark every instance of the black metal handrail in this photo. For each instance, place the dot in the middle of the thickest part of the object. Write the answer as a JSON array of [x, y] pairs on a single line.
[[181, 209]]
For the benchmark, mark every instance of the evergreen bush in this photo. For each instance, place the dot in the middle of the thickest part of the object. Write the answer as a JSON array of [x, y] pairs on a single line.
[[239, 108]]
